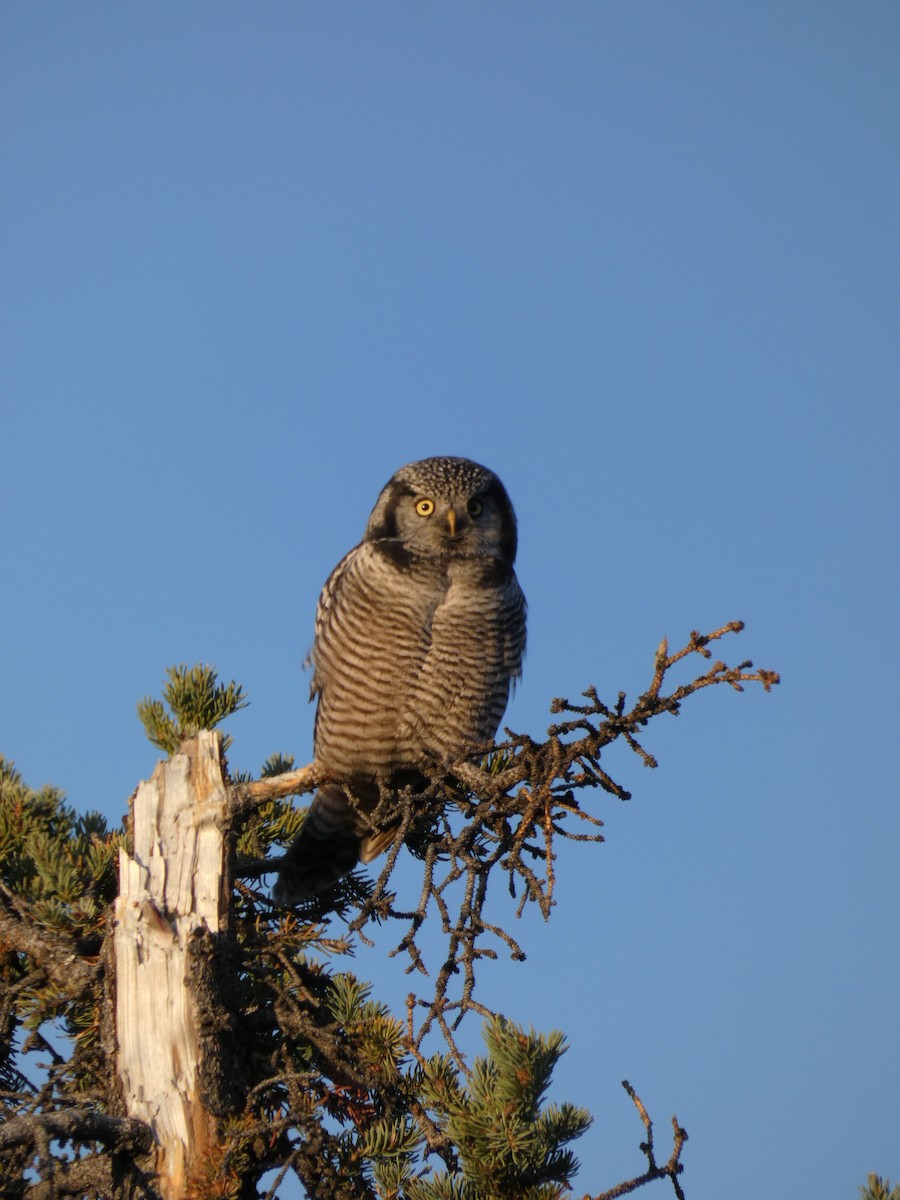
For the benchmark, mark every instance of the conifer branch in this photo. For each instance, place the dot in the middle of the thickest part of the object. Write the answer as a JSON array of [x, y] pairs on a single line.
[[669, 1170], [337, 1090], [196, 700], [78, 1125], [247, 796], [54, 954], [31, 1138]]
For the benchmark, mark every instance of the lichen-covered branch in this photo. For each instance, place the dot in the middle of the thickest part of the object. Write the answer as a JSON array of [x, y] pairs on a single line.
[[102, 1162], [78, 1125], [56, 956]]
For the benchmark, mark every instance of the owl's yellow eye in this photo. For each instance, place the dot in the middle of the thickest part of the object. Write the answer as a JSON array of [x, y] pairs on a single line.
[[424, 507], [475, 507]]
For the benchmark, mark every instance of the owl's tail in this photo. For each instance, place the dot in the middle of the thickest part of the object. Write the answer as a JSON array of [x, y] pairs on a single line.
[[336, 835], [326, 848]]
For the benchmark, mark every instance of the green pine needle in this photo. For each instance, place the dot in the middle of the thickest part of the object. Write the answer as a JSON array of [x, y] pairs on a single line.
[[508, 1147], [196, 701], [879, 1189]]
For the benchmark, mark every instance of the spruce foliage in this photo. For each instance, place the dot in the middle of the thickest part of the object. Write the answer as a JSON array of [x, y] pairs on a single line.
[[879, 1189], [59, 861], [57, 880], [509, 1144], [195, 699]]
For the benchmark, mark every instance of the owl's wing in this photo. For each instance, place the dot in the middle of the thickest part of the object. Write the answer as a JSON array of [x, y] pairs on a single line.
[[329, 597], [371, 634], [514, 623]]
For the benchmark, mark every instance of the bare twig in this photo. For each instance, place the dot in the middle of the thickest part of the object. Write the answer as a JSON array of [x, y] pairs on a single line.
[[669, 1170]]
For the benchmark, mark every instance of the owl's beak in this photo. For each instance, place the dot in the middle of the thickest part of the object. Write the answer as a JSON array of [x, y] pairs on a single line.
[[451, 521]]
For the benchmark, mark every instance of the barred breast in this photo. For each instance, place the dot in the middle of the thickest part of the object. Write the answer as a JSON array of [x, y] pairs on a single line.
[[411, 665]]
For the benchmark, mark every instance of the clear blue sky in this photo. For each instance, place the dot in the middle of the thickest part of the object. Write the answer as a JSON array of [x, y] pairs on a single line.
[[641, 258]]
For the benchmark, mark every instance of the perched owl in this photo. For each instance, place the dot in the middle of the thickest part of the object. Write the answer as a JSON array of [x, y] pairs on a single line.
[[420, 631]]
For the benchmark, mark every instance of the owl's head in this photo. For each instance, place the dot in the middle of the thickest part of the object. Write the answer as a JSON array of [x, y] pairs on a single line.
[[446, 506]]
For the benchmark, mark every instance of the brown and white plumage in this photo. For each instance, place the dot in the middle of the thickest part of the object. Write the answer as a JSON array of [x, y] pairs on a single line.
[[420, 631]]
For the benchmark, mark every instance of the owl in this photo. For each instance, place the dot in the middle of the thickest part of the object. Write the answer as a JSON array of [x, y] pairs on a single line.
[[419, 634]]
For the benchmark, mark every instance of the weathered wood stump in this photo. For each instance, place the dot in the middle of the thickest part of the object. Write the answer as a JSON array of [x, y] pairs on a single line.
[[173, 898]]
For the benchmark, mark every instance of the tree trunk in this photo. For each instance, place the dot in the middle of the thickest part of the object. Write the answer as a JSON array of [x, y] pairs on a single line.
[[171, 921]]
